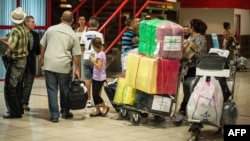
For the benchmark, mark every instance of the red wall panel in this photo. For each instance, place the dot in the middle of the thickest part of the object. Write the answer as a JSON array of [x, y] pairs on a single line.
[[241, 4]]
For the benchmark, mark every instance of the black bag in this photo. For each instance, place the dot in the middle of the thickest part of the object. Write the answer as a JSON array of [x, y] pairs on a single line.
[[3, 48], [212, 61], [77, 94], [110, 89]]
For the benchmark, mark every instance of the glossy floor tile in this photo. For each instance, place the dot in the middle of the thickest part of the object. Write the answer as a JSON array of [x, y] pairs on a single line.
[[35, 125]]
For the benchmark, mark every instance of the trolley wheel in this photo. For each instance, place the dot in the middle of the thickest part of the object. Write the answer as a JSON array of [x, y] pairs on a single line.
[[135, 119], [123, 113], [177, 123], [197, 132]]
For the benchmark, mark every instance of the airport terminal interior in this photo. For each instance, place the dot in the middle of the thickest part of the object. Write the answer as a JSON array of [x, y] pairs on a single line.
[[35, 124]]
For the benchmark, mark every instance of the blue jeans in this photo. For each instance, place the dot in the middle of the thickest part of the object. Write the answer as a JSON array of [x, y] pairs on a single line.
[[53, 80]]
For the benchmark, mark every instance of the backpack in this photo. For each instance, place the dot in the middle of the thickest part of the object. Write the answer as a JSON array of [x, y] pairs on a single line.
[[77, 94]]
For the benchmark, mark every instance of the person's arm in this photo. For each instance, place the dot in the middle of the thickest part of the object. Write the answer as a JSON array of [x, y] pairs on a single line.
[[42, 55], [76, 61], [97, 63]]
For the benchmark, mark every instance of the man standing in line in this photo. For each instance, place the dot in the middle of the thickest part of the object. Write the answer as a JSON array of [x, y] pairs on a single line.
[[88, 50], [30, 69], [18, 40], [130, 40], [59, 45]]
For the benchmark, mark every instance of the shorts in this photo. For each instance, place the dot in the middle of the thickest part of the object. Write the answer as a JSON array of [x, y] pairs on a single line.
[[124, 58], [87, 69]]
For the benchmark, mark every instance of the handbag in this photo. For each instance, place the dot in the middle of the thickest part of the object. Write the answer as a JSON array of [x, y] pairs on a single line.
[[3, 48], [77, 94], [189, 49]]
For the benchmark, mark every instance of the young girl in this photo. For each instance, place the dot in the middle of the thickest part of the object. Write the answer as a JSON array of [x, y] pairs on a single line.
[[99, 76]]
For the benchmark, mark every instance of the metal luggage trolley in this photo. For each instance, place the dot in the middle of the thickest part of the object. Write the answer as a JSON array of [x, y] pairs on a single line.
[[229, 74], [141, 109]]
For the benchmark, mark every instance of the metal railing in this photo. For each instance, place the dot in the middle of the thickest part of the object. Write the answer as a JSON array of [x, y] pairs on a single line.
[[136, 14]]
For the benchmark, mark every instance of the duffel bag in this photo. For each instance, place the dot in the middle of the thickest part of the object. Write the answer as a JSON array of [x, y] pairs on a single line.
[[77, 94]]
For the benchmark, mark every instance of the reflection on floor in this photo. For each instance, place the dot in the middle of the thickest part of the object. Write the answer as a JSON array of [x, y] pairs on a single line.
[[35, 125]]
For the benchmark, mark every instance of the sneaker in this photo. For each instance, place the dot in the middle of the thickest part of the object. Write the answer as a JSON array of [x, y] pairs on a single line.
[[26, 107], [89, 104]]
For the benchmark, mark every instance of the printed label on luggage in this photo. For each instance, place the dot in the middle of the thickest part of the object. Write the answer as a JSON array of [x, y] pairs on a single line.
[[161, 103], [172, 43]]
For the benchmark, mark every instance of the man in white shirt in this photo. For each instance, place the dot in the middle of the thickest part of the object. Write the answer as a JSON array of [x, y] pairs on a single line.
[[88, 50]]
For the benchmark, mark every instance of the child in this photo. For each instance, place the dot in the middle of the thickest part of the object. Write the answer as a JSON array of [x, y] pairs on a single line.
[[99, 76]]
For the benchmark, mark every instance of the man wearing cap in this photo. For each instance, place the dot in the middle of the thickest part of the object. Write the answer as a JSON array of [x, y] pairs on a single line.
[[18, 40]]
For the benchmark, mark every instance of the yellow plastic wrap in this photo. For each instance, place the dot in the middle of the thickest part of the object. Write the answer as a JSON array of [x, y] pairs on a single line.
[[141, 73], [124, 94]]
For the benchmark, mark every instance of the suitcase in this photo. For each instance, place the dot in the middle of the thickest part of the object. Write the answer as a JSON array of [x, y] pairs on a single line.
[[229, 113], [188, 86], [77, 94], [213, 61], [110, 89]]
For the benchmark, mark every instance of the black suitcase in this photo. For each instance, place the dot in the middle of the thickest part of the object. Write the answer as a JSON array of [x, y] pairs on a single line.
[[77, 94], [188, 86], [110, 89], [213, 61]]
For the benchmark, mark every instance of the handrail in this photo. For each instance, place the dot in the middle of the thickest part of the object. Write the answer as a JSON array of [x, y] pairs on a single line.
[[79, 6], [137, 14], [146, 4], [103, 6], [113, 15], [116, 40]]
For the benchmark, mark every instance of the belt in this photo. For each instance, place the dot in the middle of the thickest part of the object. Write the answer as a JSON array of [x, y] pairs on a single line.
[[19, 58]]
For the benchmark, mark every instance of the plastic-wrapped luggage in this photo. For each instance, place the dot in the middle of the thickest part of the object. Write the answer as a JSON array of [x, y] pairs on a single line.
[[161, 38], [124, 94]]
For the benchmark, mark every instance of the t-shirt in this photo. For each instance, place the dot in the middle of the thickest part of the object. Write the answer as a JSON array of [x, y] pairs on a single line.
[[61, 44], [100, 75], [86, 39], [127, 37]]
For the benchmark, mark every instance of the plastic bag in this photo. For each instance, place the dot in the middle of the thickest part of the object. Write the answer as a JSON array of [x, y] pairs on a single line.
[[206, 101]]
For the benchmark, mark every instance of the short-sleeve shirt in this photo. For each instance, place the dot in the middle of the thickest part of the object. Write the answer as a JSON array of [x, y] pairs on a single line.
[[18, 38], [61, 44], [127, 37], [100, 75], [86, 39]]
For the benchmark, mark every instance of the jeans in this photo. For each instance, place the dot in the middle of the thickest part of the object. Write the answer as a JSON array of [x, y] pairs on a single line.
[[54, 80], [13, 86]]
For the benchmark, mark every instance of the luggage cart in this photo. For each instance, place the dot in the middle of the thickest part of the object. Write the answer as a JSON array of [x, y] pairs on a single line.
[[229, 74], [136, 112]]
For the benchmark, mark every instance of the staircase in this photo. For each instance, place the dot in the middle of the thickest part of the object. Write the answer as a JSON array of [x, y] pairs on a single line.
[[111, 27]]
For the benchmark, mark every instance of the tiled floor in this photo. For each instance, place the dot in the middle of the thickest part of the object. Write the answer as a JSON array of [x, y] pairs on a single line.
[[35, 125]]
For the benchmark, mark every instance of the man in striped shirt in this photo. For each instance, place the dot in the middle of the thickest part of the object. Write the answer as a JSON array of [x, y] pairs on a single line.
[[130, 40]]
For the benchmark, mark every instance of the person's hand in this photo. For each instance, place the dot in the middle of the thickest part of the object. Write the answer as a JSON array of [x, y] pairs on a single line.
[[135, 39], [91, 58]]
